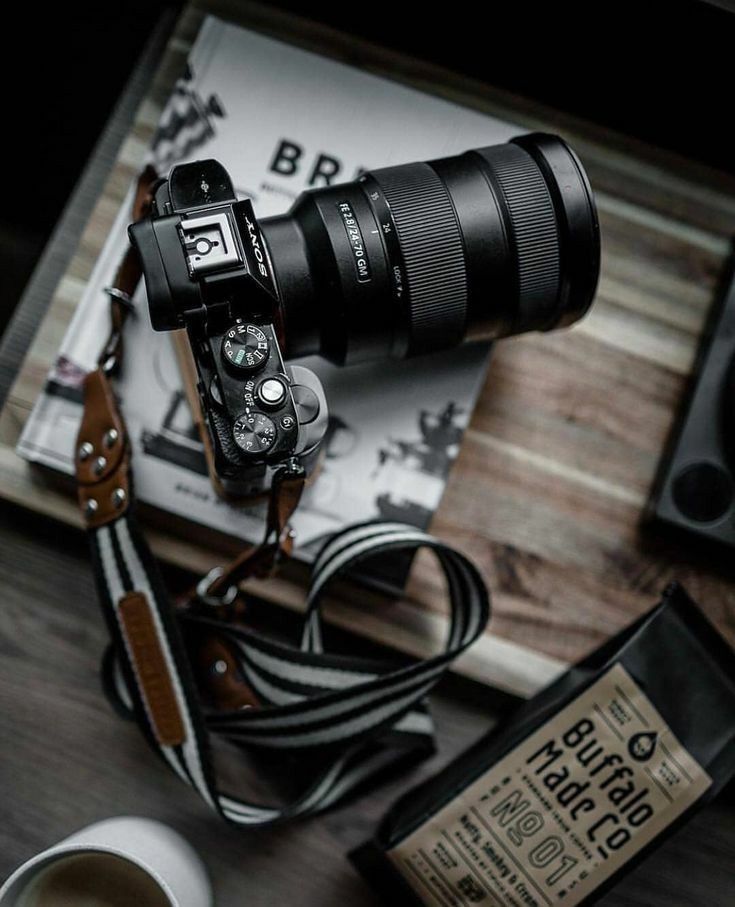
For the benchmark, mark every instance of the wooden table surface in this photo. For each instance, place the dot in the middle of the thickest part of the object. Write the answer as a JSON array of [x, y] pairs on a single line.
[[67, 760], [552, 478]]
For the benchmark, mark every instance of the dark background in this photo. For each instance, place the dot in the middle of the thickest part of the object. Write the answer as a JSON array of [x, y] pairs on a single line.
[[659, 71]]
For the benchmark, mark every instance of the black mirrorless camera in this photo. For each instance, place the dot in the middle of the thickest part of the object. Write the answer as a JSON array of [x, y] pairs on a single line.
[[404, 261]]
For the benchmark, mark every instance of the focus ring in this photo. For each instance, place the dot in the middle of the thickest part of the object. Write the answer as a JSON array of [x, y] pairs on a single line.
[[534, 228], [433, 255]]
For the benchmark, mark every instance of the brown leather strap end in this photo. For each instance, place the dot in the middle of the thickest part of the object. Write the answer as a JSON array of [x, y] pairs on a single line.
[[284, 501], [102, 455], [218, 676], [151, 669]]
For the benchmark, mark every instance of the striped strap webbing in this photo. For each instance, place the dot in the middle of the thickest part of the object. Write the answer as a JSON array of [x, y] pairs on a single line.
[[350, 717]]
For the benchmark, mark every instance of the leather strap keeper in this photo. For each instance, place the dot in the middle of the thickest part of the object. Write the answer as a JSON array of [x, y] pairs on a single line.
[[149, 663]]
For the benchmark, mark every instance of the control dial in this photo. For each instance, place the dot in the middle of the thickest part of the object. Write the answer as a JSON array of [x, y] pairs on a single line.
[[254, 433], [245, 347]]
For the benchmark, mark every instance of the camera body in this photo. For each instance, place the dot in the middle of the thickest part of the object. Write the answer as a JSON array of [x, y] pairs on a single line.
[[207, 270], [405, 261]]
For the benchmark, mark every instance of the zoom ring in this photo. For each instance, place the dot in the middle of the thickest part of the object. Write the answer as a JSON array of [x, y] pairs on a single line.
[[534, 229], [433, 255]]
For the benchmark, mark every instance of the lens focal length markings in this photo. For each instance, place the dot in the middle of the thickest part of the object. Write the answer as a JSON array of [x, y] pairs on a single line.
[[354, 236], [392, 246]]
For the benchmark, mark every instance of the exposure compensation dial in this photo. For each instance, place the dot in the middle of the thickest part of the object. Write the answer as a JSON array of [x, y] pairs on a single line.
[[254, 433]]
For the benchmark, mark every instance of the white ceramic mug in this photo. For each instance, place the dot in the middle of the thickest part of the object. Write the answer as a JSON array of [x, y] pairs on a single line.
[[138, 858]]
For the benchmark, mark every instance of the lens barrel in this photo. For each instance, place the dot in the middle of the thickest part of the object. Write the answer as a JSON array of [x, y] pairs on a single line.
[[419, 257]]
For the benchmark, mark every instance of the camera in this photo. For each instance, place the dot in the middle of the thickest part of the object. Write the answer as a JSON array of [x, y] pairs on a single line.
[[404, 261], [207, 270]]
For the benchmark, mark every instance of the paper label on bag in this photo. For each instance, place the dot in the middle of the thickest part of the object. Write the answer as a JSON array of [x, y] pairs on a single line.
[[563, 811]]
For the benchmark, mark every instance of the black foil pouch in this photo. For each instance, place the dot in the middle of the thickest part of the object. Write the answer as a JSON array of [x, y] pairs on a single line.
[[583, 781]]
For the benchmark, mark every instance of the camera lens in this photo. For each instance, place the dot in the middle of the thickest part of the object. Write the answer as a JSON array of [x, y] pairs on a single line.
[[420, 257]]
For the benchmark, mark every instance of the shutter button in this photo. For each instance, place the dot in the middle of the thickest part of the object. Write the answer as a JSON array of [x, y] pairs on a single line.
[[272, 392]]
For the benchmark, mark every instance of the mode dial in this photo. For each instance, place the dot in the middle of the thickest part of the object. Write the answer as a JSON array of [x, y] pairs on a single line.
[[245, 347]]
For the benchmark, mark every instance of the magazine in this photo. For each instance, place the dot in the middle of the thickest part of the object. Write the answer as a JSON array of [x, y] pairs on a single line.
[[281, 120]]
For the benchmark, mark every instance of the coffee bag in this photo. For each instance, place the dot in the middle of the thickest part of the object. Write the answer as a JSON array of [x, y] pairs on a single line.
[[580, 784]]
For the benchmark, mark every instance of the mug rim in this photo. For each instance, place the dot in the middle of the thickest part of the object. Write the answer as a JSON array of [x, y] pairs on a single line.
[[59, 851]]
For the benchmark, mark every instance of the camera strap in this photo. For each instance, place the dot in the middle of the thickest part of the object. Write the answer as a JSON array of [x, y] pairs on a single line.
[[195, 669]]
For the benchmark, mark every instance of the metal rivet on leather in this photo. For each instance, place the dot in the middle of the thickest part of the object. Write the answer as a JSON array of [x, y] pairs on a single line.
[[119, 497]]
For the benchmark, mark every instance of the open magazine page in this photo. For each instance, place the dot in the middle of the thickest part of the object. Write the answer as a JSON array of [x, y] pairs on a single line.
[[281, 120]]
